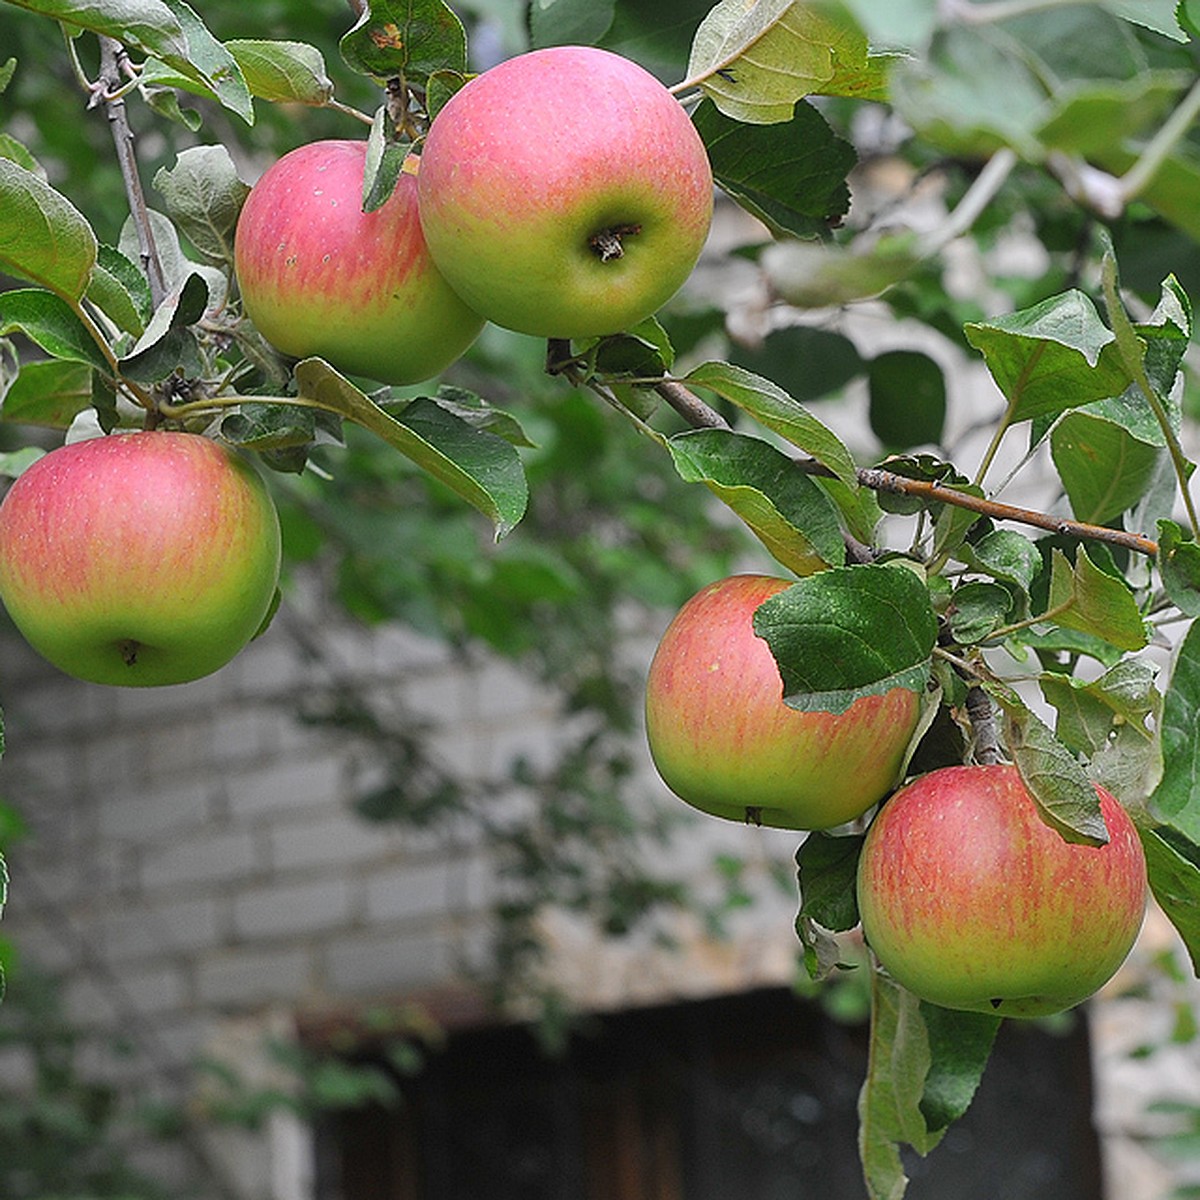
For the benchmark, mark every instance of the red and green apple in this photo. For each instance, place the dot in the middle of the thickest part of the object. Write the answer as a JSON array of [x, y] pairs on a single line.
[[972, 901], [724, 741], [565, 193], [139, 558], [318, 276]]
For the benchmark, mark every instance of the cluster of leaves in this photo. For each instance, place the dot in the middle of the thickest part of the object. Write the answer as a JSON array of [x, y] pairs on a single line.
[[1086, 108]]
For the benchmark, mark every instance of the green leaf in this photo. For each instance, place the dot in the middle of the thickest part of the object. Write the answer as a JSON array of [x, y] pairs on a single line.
[[810, 275], [771, 406], [783, 507], [147, 24], [848, 632], [755, 61], [384, 162], [569, 22], [204, 196], [43, 237], [169, 346], [889, 1104], [476, 412], [207, 60], [1179, 566], [807, 362], [272, 427], [1094, 602], [907, 399], [1057, 782], [7, 71], [791, 175], [476, 465], [12, 464], [1052, 357], [1176, 800], [52, 323], [1105, 721], [120, 291], [19, 153], [971, 95], [50, 393], [826, 867], [1173, 865], [977, 610], [960, 1044], [411, 38], [283, 72], [1104, 469], [1006, 555]]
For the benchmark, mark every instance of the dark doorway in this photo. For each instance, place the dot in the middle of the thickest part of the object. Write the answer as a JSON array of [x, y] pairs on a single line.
[[747, 1097]]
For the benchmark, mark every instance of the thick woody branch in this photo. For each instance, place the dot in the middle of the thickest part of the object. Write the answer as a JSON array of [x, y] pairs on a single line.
[[111, 55], [700, 415]]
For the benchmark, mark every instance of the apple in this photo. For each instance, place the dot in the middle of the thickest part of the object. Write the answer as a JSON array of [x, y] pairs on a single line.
[[565, 193], [139, 558], [972, 901], [724, 741], [318, 276]]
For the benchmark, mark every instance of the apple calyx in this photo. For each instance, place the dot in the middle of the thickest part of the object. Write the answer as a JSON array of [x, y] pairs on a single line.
[[607, 245], [129, 651]]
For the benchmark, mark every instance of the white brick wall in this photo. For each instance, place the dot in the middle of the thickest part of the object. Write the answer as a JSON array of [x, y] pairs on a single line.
[[194, 862]]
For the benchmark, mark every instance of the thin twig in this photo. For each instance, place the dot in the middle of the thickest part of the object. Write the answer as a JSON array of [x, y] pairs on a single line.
[[700, 415], [111, 53], [982, 715]]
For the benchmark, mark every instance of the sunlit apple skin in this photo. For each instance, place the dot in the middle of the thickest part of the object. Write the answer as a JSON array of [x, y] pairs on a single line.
[[318, 276], [973, 902], [534, 159], [139, 559], [724, 741]]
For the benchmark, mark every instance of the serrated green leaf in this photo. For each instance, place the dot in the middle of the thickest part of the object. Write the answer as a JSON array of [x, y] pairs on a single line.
[[1006, 555], [283, 72], [410, 38], [50, 393], [755, 61], [169, 346], [907, 399], [209, 61], [52, 323], [476, 465], [1179, 566], [43, 237], [1176, 800], [204, 196], [1052, 357], [269, 427], [384, 162], [977, 610], [1173, 865], [826, 868], [12, 464], [1094, 602], [1056, 781], [889, 1112], [812, 275], [784, 509], [847, 632], [808, 362], [970, 94], [569, 22], [791, 175], [1105, 721], [771, 406], [476, 412], [1104, 469], [1088, 115], [17, 152], [960, 1044], [147, 24]]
